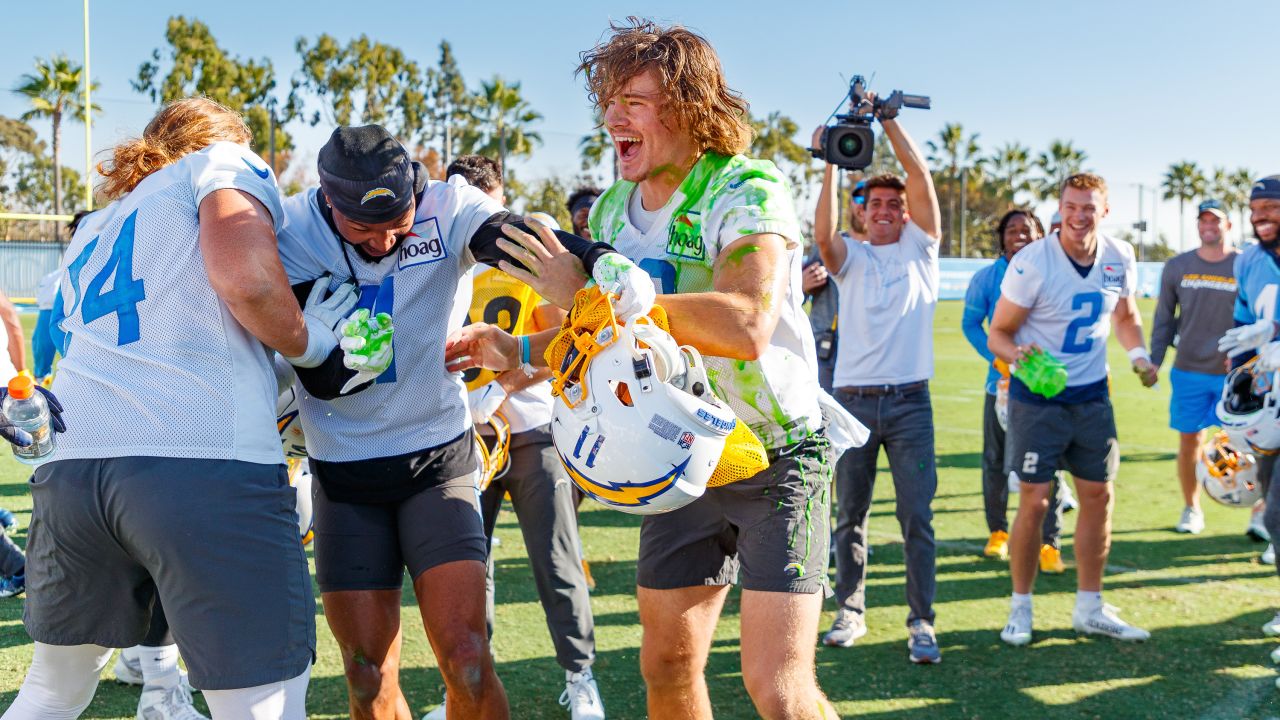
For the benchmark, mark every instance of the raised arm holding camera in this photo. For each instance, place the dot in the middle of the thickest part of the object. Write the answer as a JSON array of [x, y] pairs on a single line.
[[888, 289]]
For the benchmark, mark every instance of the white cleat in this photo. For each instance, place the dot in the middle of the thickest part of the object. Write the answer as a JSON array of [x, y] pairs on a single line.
[[1105, 620], [1269, 555], [1256, 530], [439, 712], [1192, 521], [1069, 501], [167, 703], [1272, 629], [581, 696], [1017, 631]]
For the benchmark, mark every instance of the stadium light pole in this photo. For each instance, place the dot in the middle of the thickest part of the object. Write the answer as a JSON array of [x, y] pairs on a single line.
[[88, 118]]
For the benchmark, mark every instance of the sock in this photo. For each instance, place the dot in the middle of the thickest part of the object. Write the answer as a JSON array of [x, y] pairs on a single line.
[[1088, 599], [1021, 600], [159, 664]]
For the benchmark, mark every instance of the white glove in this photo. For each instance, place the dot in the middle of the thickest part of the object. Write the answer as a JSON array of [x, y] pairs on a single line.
[[366, 347], [323, 316], [633, 286], [1268, 358], [1237, 341], [485, 400]]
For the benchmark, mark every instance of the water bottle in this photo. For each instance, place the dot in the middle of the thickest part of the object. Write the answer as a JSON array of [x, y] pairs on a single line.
[[1042, 373], [27, 409]]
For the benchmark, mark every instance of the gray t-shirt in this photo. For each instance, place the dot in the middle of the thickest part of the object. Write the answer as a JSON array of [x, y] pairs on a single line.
[[1194, 310]]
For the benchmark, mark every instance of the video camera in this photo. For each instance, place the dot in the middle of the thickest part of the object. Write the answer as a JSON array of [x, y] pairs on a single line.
[[850, 142]]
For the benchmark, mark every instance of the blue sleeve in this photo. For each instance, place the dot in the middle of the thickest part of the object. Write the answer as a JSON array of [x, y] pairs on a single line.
[[1243, 314], [977, 304]]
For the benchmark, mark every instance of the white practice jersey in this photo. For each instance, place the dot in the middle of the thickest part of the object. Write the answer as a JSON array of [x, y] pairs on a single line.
[[416, 404], [1070, 315], [153, 361]]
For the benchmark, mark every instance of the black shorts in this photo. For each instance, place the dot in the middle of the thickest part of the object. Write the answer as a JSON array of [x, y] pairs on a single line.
[[215, 540], [368, 546], [1079, 438], [773, 527]]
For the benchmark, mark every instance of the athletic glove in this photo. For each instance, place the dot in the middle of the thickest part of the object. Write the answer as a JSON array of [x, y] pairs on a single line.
[[485, 400], [632, 286], [22, 438], [1269, 358], [1245, 338], [323, 317], [366, 347]]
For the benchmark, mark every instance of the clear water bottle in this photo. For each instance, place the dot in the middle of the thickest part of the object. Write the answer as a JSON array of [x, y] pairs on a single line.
[[27, 409]]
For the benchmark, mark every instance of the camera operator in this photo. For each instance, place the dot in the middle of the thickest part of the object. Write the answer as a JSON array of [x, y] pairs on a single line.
[[888, 291], [816, 281]]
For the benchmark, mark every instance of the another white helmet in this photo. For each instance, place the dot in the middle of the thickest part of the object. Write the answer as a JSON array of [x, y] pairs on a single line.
[[636, 425], [1228, 475], [1249, 411], [300, 478], [289, 425]]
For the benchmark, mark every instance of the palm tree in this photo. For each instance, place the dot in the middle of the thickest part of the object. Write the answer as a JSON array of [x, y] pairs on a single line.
[[956, 154], [594, 146], [1008, 168], [774, 140], [1182, 182], [1056, 164], [1242, 183], [505, 118], [55, 91]]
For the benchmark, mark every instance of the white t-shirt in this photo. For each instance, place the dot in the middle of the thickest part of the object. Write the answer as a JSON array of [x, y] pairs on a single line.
[[722, 200], [1070, 315], [47, 290], [153, 361], [888, 294], [416, 404]]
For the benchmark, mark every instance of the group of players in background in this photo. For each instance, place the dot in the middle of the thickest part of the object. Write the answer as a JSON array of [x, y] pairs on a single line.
[[185, 305]]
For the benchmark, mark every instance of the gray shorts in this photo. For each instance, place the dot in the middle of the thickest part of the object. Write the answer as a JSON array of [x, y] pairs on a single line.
[[1079, 438], [215, 540], [368, 547], [772, 526]]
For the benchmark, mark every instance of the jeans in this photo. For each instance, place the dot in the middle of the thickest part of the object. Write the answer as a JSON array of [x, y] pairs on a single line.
[[995, 482], [901, 422]]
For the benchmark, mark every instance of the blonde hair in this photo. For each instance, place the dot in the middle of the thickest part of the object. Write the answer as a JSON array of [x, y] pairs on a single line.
[[1085, 181], [179, 129], [689, 72]]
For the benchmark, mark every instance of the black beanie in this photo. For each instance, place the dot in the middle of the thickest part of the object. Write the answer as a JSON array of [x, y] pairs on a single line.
[[366, 174]]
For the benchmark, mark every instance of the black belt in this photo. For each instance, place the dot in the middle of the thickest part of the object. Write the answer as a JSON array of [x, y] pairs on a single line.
[[882, 390]]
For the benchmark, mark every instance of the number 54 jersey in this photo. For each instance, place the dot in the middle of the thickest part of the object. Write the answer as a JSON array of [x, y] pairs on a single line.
[[154, 364], [1070, 315]]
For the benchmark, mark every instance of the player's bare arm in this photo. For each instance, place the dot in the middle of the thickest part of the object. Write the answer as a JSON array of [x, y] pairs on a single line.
[[14, 333], [240, 255], [1004, 325], [1128, 329]]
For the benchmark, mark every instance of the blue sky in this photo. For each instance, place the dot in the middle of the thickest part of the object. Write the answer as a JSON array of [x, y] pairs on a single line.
[[1138, 85]]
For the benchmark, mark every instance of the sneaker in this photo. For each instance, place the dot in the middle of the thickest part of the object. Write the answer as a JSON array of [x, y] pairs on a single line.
[[167, 703], [1256, 531], [586, 570], [128, 671], [1017, 631], [997, 546], [1275, 656], [8, 520], [922, 644], [1272, 628], [439, 712], [1192, 521], [847, 628], [13, 585], [1268, 556], [1069, 501], [1051, 560], [1104, 620], [581, 696]]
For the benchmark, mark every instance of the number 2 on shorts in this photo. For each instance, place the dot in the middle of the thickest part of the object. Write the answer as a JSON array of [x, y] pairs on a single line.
[[1030, 462]]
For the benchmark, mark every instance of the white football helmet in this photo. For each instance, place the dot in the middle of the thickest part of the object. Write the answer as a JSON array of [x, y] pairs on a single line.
[[290, 427], [1249, 411], [300, 479], [1227, 474], [636, 425]]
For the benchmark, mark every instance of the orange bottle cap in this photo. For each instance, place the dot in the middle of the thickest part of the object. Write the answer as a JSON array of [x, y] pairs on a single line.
[[22, 387]]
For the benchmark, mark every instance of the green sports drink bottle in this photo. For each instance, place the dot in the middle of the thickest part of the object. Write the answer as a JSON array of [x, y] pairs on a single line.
[[1042, 373]]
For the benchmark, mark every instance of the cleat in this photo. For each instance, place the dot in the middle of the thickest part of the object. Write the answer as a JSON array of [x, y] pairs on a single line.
[[922, 644], [167, 703], [847, 628], [1017, 631], [581, 696], [8, 521], [1256, 531], [1105, 620], [13, 585], [1069, 501], [1051, 560], [1192, 521], [1268, 556], [438, 713], [1272, 629], [997, 546]]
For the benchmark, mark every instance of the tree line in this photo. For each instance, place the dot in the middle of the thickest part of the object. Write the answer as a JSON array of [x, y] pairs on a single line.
[[439, 115]]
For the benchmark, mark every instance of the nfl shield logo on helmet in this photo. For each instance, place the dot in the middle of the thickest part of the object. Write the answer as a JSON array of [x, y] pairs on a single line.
[[686, 440]]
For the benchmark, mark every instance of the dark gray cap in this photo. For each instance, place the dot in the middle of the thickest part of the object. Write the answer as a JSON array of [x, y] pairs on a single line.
[[366, 174]]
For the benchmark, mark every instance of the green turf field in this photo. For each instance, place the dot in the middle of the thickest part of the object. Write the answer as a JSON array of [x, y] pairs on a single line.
[[1203, 598]]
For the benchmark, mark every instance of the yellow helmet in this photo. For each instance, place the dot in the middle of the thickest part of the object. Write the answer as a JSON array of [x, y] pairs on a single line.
[[495, 456]]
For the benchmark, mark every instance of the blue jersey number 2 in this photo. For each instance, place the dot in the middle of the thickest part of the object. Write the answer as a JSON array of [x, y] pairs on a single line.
[[1091, 302], [662, 271], [126, 290]]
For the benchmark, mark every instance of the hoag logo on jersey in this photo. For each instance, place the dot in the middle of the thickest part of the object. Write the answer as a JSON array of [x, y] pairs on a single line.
[[424, 244], [1112, 275], [684, 239]]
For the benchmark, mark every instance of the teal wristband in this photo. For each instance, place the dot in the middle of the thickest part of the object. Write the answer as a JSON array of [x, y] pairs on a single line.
[[525, 350]]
